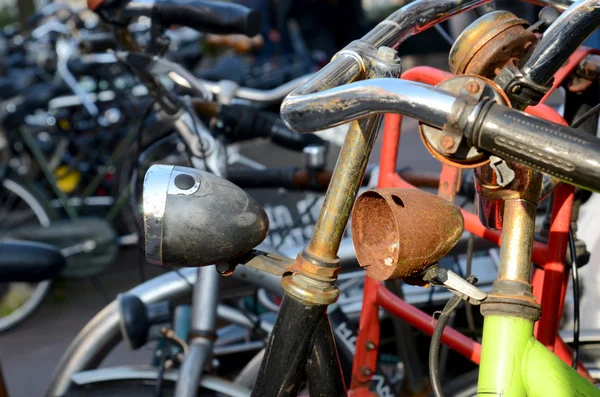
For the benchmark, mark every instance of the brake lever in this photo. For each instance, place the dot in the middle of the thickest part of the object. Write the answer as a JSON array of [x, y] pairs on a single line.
[[455, 284]]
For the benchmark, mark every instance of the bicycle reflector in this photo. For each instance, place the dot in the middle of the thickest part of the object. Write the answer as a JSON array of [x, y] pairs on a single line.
[[193, 218], [399, 233]]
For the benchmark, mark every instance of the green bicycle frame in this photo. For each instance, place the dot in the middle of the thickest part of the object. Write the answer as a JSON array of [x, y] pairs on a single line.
[[514, 364]]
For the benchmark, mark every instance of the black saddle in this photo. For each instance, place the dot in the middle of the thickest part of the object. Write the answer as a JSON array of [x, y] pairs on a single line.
[[27, 261]]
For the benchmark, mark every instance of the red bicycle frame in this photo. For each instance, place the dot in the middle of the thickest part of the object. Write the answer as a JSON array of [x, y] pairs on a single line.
[[549, 279]]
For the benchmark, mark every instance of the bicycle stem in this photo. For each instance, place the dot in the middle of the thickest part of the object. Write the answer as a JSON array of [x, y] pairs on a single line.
[[517, 237], [511, 302], [513, 362]]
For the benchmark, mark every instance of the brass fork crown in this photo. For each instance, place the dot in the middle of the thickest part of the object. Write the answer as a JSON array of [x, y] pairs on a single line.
[[313, 266], [310, 291], [511, 298], [311, 279]]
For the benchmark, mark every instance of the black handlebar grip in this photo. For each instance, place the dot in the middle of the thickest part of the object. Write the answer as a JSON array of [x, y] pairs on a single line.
[[263, 179], [245, 122], [209, 17], [555, 150], [293, 140]]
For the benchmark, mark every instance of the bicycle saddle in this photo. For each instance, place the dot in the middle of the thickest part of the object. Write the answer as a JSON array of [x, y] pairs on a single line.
[[29, 261], [69, 234]]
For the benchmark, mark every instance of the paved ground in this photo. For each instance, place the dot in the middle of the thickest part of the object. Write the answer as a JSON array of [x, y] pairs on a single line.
[[31, 350]]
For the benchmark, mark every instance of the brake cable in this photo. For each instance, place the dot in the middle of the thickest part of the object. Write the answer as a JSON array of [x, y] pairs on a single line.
[[576, 314], [436, 338], [584, 117], [469, 267]]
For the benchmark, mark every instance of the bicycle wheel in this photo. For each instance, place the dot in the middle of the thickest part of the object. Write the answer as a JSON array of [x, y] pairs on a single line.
[[21, 203]]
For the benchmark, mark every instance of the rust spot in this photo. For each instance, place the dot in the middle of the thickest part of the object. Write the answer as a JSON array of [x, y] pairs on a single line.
[[447, 142], [400, 241], [473, 87]]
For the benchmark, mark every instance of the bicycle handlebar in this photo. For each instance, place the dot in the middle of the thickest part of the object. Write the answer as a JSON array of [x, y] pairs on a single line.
[[158, 65], [556, 150], [348, 65], [542, 145], [266, 97], [202, 15], [209, 17], [242, 122], [405, 22], [353, 101], [560, 40]]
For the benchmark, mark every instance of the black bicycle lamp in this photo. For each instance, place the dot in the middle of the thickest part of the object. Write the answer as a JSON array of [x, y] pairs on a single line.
[[193, 218]]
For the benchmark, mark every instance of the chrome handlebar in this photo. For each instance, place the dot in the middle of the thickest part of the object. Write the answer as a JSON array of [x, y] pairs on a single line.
[[353, 101], [559, 151], [329, 98], [348, 65], [266, 97], [209, 88], [413, 18], [202, 87]]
